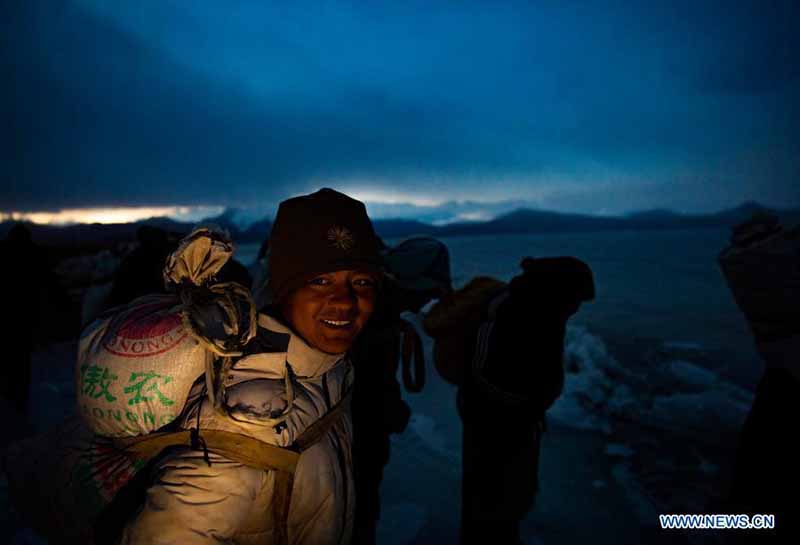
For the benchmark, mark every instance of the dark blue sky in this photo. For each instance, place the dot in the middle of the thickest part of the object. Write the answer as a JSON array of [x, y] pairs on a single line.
[[598, 107]]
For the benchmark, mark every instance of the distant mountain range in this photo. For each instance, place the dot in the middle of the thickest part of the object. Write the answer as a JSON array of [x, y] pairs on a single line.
[[539, 221], [523, 220]]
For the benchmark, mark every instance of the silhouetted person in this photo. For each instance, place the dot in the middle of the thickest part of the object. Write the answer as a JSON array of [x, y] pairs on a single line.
[[141, 271], [234, 271], [23, 273], [762, 267], [421, 271], [510, 341], [378, 411]]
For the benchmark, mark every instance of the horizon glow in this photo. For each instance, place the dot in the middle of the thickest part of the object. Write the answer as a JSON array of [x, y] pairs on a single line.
[[109, 215], [380, 196]]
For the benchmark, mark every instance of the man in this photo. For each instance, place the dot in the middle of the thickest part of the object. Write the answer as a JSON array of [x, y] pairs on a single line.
[[325, 275], [420, 271], [24, 275], [762, 268], [505, 343]]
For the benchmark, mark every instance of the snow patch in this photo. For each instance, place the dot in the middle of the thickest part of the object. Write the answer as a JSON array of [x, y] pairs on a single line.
[[589, 385], [699, 413], [678, 395], [691, 374]]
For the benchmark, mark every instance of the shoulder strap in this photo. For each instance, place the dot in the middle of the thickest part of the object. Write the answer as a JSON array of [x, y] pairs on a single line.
[[234, 446], [318, 429], [412, 346]]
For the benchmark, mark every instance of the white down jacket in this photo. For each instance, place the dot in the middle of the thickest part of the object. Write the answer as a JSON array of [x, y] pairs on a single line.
[[192, 503]]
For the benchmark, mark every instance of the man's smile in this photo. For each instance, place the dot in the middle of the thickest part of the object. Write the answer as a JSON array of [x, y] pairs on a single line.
[[337, 324]]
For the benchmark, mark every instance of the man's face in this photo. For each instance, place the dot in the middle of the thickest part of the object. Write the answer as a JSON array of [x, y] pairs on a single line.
[[331, 309]]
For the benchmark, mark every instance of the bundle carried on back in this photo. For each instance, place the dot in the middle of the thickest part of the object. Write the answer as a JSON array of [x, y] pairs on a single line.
[[134, 369], [506, 340], [136, 363]]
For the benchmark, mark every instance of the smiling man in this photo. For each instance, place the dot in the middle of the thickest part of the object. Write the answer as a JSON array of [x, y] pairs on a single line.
[[290, 390], [324, 265]]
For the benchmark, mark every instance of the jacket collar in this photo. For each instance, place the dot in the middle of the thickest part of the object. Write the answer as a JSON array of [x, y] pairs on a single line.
[[304, 360]]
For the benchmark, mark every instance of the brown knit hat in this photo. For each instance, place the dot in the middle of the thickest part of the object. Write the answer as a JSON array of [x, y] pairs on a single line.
[[322, 232]]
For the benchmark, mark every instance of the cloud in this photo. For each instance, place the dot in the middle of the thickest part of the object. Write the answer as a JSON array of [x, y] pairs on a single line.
[[114, 104], [740, 47]]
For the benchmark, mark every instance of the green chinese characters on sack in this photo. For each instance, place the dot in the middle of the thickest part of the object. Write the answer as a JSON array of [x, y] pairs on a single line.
[[97, 383], [96, 380], [145, 378]]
